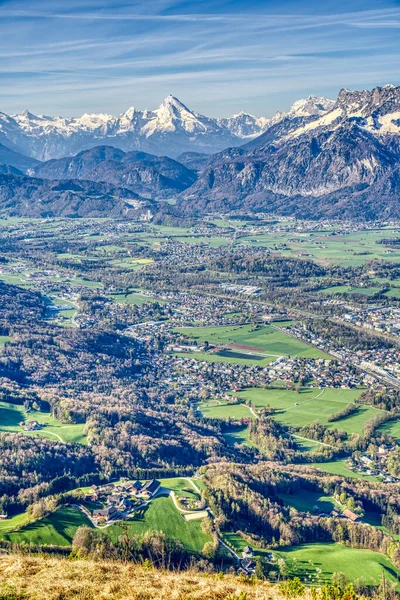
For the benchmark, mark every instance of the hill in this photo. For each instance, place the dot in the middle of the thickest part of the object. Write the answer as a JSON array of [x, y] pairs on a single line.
[[28, 577], [34, 197], [145, 174]]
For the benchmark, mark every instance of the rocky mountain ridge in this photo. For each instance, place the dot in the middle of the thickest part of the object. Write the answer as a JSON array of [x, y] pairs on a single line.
[[169, 130]]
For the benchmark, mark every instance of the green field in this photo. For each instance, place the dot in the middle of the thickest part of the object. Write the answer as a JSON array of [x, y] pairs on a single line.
[[345, 289], [3, 340], [161, 515], [327, 247], [265, 340], [58, 529], [12, 414], [238, 435], [339, 467], [132, 298], [182, 487], [316, 563], [224, 410], [311, 404], [307, 501]]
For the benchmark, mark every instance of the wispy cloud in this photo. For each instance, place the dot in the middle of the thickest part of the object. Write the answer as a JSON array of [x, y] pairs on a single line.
[[58, 57]]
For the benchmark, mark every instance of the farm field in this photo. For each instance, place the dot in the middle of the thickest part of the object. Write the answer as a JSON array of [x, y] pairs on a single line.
[[326, 247], [161, 515], [339, 467], [12, 414], [344, 289], [316, 563], [266, 340], [182, 487], [238, 435], [311, 404], [306, 501], [132, 298], [224, 410], [134, 264], [3, 340], [58, 529]]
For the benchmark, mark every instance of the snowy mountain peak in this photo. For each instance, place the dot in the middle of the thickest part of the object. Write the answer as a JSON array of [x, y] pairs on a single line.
[[27, 115], [311, 106], [173, 128]]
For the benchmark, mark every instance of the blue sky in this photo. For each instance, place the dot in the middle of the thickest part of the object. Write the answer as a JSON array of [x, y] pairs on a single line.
[[219, 57]]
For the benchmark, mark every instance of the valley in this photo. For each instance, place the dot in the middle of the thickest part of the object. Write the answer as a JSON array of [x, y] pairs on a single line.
[[217, 353]]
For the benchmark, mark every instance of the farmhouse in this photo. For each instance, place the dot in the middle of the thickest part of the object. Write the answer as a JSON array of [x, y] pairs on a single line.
[[248, 552], [350, 515], [150, 488], [110, 513]]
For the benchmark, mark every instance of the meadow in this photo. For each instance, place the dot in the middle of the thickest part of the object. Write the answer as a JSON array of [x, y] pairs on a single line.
[[3, 340], [310, 404], [265, 340], [12, 414], [161, 515], [309, 501], [316, 563], [132, 298], [327, 247], [57, 529]]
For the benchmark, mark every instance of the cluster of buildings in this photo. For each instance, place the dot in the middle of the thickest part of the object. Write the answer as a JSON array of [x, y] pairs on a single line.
[[375, 465], [119, 501], [378, 364]]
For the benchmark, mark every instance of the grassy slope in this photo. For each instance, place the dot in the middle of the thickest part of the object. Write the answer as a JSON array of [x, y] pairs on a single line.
[[12, 414], [313, 405], [46, 578], [161, 515], [318, 562], [58, 529]]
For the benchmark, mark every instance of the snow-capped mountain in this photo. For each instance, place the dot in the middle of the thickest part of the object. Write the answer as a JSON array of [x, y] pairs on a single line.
[[320, 158], [169, 130]]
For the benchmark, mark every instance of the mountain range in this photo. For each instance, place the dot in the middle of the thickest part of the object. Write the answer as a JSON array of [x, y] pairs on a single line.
[[169, 130], [322, 158]]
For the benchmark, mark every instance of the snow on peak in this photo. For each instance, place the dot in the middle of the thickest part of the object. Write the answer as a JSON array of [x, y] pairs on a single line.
[[311, 106]]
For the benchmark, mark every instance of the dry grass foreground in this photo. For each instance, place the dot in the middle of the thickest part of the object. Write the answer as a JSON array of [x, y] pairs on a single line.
[[27, 577]]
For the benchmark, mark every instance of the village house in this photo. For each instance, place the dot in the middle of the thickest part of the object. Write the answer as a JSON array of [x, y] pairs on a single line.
[[248, 552], [350, 515], [150, 489], [110, 513]]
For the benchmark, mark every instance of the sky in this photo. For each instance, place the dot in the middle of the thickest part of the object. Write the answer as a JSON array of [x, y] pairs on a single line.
[[219, 57]]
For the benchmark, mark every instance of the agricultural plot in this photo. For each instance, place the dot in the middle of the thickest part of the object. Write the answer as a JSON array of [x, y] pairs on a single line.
[[266, 340], [132, 298], [224, 411], [161, 515], [182, 487], [316, 563], [353, 249], [58, 529], [238, 435], [310, 501], [309, 405], [133, 264], [3, 340], [12, 414], [339, 467]]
